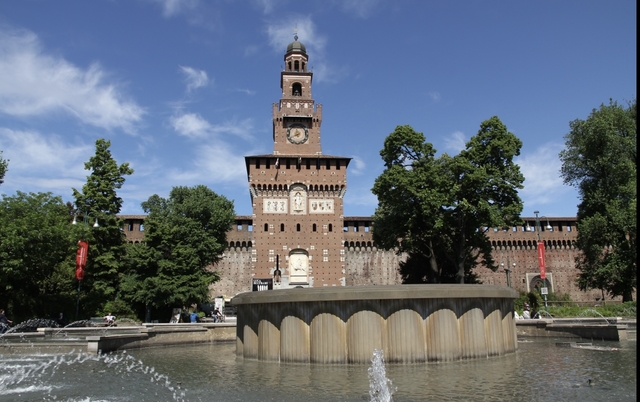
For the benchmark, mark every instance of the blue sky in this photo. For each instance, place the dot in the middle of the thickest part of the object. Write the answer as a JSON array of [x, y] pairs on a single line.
[[184, 89]]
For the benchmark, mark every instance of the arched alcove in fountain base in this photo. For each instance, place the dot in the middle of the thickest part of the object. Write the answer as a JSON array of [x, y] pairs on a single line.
[[411, 323]]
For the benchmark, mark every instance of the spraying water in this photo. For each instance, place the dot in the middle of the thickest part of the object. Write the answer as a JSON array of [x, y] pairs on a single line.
[[591, 312], [59, 376], [380, 387]]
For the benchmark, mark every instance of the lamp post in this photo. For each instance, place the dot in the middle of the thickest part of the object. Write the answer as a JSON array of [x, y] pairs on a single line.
[[507, 271], [277, 274], [543, 273], [81, 256]]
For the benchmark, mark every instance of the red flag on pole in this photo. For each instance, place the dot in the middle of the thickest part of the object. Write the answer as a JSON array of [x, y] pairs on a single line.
[[543, 269], [81, 259]]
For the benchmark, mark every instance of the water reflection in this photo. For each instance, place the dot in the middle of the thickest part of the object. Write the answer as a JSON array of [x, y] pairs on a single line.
[[538, 371]]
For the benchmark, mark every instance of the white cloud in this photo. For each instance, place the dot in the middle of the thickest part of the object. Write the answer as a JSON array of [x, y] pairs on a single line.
[[268, 6], [357, 166], [171, 8], [359, 8], [215, 159], [213, 163], [455, 142], [221, 164], [191, 125], [281, 33], [195, 78], [195, 126], [360, 199], [33, 83], [435, 96], [43, 162], [246, 91], [543, 184]]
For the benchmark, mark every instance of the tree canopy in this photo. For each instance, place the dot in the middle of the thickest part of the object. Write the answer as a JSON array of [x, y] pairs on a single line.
[[37, 248], [184, 235], [4, 164], [437, 209], [600, 160], [99, 201]]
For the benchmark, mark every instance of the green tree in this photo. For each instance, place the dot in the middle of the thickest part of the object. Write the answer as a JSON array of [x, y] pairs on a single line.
[[37, 249], [4, 165], [600, 160], [437, 210], [184, 235], [99, 201]]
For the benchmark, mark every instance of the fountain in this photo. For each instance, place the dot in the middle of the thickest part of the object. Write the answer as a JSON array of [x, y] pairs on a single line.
[[591, 312], [380, 387], [412, 323], [213, 372]]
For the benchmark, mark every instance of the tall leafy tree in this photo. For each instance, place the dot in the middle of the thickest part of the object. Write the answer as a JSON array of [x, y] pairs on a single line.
[[4, 164], [600, 160], [438, 209], [184, 235], [37, 246], [99, 201]]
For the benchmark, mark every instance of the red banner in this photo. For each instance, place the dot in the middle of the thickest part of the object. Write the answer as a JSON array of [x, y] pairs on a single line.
[[543, 269], [81, 259]]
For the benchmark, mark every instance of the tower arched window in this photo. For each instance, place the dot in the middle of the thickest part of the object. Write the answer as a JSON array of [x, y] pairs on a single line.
[[297, 227], [296, 65], [314, 227], [330, 227], [296, 89], [266, 227], [282, 227]]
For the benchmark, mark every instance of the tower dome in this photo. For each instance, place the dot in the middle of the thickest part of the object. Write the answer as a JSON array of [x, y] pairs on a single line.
[[296, 46]]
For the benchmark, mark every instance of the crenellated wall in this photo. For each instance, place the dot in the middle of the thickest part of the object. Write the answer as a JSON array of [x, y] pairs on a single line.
[[365, 264]]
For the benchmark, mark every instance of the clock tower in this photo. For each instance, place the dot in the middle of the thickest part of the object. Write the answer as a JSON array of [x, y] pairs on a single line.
[[297, 192]]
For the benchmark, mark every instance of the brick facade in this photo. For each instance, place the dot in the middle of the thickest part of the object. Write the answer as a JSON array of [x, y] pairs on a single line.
[[298, 225]]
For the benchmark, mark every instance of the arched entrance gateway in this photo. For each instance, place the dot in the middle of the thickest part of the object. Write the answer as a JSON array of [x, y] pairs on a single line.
[[298, 267]]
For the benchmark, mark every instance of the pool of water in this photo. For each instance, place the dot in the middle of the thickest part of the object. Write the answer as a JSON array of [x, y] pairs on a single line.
[[539, 371]]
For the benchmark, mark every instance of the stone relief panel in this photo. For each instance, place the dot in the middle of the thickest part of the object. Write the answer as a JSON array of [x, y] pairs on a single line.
[[321, 206], [298, 266], [298, 198], [275, 206]]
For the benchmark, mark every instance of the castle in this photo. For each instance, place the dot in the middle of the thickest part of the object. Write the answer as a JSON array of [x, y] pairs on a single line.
[[298, 235]]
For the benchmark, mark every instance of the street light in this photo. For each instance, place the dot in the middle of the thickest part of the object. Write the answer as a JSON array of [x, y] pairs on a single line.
[[543, 273], [507, 270], [85, 219]]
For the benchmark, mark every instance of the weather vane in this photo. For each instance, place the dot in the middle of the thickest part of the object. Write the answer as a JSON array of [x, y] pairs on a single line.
[[295, 33]]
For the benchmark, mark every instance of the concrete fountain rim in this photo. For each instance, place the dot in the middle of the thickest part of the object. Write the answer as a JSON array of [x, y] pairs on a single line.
[[373, 292]]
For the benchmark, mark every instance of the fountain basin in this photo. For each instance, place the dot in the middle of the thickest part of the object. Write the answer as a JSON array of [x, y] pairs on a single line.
[[574, 328], [411, 323]]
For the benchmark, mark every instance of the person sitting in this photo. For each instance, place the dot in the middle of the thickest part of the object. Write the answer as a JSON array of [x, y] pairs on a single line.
[[526, 314], [5, 323], [110, 319], [62, 320]]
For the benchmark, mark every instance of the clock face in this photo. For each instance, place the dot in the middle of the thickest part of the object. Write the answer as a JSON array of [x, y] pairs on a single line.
[[297, 134]]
